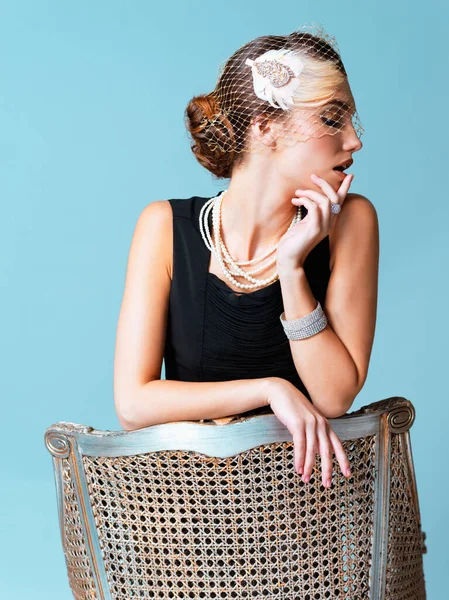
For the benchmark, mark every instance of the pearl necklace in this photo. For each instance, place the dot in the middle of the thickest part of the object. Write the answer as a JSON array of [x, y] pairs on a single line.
[[217, 247]]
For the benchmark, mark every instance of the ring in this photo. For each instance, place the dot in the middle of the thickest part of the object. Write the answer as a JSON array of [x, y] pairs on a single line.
[[335, 208]]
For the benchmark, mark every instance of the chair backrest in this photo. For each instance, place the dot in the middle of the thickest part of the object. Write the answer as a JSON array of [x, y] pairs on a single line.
[[215, 510]]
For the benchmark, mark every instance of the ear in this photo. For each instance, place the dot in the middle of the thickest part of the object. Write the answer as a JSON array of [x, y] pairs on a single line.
[[263, 131]]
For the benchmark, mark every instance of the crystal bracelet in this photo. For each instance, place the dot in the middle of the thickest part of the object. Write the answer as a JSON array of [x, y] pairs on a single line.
[[306, 326]]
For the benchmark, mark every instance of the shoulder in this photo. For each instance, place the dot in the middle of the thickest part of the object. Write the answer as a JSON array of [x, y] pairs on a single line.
[[158, 210], [357, 222], [356, 210], [155, 220], [155, 225]]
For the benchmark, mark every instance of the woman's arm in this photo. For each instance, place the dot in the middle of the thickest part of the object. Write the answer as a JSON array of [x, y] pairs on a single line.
[[333, 364], [141, 397], [163, 401]]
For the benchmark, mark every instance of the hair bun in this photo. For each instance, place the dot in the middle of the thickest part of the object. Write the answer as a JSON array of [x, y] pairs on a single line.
[[205, 124]]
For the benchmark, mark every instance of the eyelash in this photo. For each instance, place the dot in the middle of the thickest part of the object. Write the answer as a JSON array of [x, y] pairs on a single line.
[[329, 121]]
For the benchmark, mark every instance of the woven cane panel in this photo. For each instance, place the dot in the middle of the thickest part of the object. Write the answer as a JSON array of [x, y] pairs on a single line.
[[78, 567], [405, 577], [180, 524]]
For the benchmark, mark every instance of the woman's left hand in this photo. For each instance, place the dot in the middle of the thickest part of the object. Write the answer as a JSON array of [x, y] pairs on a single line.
[[296, 243]]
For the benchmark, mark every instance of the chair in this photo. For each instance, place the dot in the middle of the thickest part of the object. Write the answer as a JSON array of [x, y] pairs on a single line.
[[215, 510]]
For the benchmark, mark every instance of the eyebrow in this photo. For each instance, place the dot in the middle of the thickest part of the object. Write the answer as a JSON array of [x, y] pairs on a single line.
[[341, 104]]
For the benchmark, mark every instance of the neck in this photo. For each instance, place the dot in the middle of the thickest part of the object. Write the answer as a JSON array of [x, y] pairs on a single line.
[[256, 212]]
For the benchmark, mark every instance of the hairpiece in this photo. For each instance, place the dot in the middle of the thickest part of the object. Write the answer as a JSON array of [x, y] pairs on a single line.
[[275, 76]]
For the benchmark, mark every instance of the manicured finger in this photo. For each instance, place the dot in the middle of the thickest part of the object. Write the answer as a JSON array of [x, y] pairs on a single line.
[[310, 452], [340, 453], [320, 199], [340, 194], [345, 185], [325, 450], [326, 187], [323, 202], [307, 202], [312, 194], [314, 211], [299, 449]]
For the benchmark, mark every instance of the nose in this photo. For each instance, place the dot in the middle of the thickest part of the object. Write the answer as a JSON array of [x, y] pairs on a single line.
[[352, 143]]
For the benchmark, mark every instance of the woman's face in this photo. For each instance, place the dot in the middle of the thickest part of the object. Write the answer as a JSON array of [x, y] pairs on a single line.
[[334, 140]]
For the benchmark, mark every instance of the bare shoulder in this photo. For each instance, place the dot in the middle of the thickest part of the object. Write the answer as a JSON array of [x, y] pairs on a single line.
[[357, 218], [156, 222], [159, 210]]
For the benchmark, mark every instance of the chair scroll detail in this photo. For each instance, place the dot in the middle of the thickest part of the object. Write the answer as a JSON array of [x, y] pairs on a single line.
[[214, 509]]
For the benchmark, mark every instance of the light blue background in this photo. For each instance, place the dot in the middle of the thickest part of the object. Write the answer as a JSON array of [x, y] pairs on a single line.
[[92, 96]]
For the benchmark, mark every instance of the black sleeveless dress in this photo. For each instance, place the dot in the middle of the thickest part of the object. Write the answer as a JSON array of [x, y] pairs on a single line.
[[213, 334]]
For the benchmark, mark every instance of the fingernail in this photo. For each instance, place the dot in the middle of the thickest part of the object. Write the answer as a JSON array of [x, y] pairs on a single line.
[[348, 472], [314, 176], [306, 478]]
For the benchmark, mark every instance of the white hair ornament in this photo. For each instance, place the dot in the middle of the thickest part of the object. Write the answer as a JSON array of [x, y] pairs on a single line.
[[276, 76]]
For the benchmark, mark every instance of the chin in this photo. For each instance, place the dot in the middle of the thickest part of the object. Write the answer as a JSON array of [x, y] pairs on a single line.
[[333, 180]]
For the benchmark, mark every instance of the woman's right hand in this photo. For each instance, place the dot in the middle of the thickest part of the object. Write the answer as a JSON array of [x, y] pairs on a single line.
[[310, 430]]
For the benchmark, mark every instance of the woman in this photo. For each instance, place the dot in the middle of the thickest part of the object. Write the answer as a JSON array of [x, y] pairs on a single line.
[[263, 298]]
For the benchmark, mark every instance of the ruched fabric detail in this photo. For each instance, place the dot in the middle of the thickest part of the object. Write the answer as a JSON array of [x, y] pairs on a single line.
[[243, 336]]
